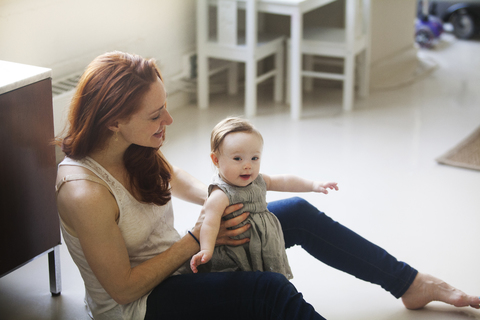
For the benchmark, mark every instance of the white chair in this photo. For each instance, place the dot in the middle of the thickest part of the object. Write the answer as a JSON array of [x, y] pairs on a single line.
[[351, 44], [229, 42]]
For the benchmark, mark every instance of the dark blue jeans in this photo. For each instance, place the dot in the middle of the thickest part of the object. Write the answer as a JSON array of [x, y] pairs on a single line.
[[340, 247], [266, 295]]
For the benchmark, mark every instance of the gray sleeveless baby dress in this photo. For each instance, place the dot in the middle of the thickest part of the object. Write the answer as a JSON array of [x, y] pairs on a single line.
[[266, 249]]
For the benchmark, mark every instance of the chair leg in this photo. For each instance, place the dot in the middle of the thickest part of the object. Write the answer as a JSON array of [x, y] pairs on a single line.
[[309, 65], [279, 75], [251, 88], [203, 88], [233, 78], [287, 76], [349, 82], [363, 85]]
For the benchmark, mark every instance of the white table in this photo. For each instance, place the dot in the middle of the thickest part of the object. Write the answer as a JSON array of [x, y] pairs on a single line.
[[295, 9]]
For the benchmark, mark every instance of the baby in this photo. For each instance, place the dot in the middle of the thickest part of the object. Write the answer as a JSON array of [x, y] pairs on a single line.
[[236, 150]]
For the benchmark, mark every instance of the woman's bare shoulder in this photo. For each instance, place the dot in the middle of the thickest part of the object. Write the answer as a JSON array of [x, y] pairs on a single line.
[[65, 170], [81, 200]]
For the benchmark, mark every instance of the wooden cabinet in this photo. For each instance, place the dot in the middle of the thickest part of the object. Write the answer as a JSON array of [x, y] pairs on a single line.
[[29, 223]]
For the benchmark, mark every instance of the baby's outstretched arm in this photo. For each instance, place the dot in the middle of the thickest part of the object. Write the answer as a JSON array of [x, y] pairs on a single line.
[[214, 207], [292, 183]]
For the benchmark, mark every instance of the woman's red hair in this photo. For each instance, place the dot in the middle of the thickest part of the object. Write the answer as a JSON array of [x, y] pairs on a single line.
[[111, 89]]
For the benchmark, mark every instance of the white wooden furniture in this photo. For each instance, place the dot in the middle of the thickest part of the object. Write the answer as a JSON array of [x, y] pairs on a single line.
[[230, 43], [295, 9], [350, 43]]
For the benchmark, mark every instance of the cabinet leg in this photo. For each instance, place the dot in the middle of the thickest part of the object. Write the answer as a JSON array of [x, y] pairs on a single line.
[[54, 271]]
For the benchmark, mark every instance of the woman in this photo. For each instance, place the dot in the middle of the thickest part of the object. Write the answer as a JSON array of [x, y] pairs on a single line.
[[113, 196]]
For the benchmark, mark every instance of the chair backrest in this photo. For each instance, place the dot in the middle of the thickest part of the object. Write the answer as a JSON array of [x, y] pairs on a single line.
[[357, 17], [227, 23], [227, 26]]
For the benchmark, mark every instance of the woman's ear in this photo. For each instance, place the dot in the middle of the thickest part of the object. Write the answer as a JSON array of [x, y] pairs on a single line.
[[114, 126], [214, 158]]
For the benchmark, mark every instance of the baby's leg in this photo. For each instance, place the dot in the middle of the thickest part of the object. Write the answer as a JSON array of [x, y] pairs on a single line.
[[426, 288]]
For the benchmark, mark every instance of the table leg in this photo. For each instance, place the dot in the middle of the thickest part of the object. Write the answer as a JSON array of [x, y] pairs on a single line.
[[296, 35], [203, 78]]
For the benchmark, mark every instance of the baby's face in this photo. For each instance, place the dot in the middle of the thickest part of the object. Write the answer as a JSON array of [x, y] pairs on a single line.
[[239, 158]]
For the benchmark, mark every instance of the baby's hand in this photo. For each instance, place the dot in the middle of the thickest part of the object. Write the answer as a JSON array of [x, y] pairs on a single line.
[[201, 257], [323, 186]]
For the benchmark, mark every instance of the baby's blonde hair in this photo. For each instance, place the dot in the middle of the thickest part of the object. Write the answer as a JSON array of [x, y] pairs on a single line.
[[227, 126]]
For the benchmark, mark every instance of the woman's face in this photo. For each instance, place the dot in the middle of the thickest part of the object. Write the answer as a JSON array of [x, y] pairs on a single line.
[[238, 161], [147, 126]]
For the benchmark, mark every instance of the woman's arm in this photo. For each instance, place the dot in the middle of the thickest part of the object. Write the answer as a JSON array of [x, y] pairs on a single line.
[[186, 187], [292, 183], [91, 213]]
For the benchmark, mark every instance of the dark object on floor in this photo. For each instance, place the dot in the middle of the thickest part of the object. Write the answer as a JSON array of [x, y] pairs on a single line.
[[464, 16]]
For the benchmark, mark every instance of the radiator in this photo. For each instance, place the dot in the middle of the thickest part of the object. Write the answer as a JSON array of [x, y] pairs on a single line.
[[62, 92]]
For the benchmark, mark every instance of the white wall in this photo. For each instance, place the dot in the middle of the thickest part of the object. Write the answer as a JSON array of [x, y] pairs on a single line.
[[65, 35], [394, 58], [393, 27]]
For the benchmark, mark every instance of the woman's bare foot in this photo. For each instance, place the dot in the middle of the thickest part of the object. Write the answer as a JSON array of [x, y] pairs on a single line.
[[426, 288]]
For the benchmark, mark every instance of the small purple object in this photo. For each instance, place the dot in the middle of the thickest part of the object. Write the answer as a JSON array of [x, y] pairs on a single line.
[[427, 30]]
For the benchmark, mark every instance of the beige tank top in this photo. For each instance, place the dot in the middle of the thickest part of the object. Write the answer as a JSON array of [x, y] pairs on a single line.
[[146, 228]]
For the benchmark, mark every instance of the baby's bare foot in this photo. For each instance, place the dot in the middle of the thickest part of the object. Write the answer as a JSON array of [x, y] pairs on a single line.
[[426, 288]]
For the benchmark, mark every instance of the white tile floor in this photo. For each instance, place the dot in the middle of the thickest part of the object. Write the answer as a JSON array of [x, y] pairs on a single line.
[[391, 189]]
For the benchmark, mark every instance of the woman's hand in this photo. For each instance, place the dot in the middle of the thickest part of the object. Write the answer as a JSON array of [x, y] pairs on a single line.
[[225, 234]]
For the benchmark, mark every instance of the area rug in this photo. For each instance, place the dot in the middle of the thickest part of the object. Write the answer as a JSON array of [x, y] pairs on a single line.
[[466, 154]]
